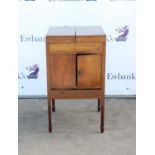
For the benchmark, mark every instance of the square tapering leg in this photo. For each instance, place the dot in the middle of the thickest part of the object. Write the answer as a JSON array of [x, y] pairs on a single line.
[[98, 106], [49, 116], [102, 114], [53, 105]]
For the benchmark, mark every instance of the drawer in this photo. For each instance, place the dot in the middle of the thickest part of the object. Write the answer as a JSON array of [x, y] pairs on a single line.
[[64, 94], [70, 48]]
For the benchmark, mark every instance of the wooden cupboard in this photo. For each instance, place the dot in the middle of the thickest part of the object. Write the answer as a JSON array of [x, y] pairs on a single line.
[[75, 59]]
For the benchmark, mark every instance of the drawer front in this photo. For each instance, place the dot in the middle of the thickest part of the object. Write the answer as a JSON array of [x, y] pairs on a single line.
[[64, 94], [71, 48]]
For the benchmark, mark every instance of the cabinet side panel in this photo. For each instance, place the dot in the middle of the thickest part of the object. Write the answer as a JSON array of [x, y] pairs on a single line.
[[103, 67], [47, 69]]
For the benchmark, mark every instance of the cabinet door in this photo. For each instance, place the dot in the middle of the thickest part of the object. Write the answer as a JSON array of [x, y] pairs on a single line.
[[62, 71], [89, 71]]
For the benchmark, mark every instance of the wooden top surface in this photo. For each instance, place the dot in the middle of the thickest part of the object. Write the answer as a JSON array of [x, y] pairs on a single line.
[[76, 31], [89, 31], [61, 31]]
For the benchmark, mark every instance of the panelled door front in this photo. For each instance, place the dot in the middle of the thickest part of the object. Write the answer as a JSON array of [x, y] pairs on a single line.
[[62, 70], [89, 71], [75, 71]]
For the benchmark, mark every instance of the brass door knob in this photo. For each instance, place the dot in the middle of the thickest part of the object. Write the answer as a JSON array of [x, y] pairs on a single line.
[[80, 72]]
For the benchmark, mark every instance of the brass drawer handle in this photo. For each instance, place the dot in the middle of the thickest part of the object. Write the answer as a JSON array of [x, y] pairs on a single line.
[[61, 92], [89, 93]]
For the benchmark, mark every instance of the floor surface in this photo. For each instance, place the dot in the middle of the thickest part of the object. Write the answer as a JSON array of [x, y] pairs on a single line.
[[76, 128]]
